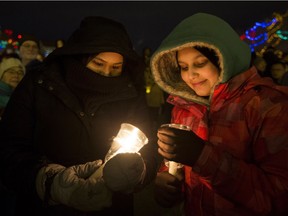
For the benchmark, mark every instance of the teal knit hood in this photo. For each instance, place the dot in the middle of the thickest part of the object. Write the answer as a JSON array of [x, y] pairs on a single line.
[[202, 30]]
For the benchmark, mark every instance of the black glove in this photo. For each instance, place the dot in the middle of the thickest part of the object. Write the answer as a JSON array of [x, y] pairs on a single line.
[[179, 145], [167, 190], [124, 172]]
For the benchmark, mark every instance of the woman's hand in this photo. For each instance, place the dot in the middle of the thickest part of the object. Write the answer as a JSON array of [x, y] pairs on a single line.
[[179, 145]]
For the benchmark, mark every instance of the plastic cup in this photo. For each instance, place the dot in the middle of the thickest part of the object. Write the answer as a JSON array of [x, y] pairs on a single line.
[[129, 139], [174, 166]]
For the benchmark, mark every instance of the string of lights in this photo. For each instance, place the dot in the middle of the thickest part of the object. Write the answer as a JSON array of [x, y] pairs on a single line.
[[266, 34]]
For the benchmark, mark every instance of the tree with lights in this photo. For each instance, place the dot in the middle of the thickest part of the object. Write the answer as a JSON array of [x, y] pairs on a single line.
[[270, 33]]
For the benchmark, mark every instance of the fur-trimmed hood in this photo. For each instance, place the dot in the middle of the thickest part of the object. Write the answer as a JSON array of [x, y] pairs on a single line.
[[199, 30]]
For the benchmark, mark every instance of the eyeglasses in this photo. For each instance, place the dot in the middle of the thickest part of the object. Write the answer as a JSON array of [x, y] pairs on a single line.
[[15, 72], [27, 46]]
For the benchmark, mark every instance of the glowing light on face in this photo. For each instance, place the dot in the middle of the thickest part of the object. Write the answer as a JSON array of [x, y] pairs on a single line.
[[109, 64], [197, 71]]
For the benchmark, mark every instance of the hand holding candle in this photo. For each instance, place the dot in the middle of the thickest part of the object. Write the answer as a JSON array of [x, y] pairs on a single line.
[[178, 143], [124, 172], [128, 140], [174, 166], [169, 140]]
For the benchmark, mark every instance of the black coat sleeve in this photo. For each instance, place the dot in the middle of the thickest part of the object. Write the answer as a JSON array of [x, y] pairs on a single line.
[[19, 160]]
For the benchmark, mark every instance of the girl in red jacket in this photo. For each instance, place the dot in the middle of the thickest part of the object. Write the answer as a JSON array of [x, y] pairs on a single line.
[[235, 156]]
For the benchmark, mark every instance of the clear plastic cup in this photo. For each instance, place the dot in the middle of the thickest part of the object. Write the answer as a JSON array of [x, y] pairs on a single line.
[[129, 139]]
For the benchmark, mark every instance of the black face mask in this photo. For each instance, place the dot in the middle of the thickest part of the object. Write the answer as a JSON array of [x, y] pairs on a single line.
[[79, 76], [105, 75]]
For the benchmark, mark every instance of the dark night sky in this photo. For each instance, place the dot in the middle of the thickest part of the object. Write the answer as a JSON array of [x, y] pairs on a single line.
[[147, 22]]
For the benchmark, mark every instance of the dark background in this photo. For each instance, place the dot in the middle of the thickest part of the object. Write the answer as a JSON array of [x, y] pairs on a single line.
[[147, 22]]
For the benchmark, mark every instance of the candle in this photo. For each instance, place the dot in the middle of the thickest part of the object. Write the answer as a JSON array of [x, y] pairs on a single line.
[[175, 168], [172, 165]]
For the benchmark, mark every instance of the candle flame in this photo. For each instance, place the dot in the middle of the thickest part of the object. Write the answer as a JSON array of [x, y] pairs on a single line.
[[129, 140]]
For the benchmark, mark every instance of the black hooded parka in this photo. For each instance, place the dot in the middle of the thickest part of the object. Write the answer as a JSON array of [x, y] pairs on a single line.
[[66, 114]]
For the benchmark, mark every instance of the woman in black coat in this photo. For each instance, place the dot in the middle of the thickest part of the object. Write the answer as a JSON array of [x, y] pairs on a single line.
[[62, 117]]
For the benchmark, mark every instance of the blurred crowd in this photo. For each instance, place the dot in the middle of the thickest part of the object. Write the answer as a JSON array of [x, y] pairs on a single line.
[[272, 63], [15, 62]]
